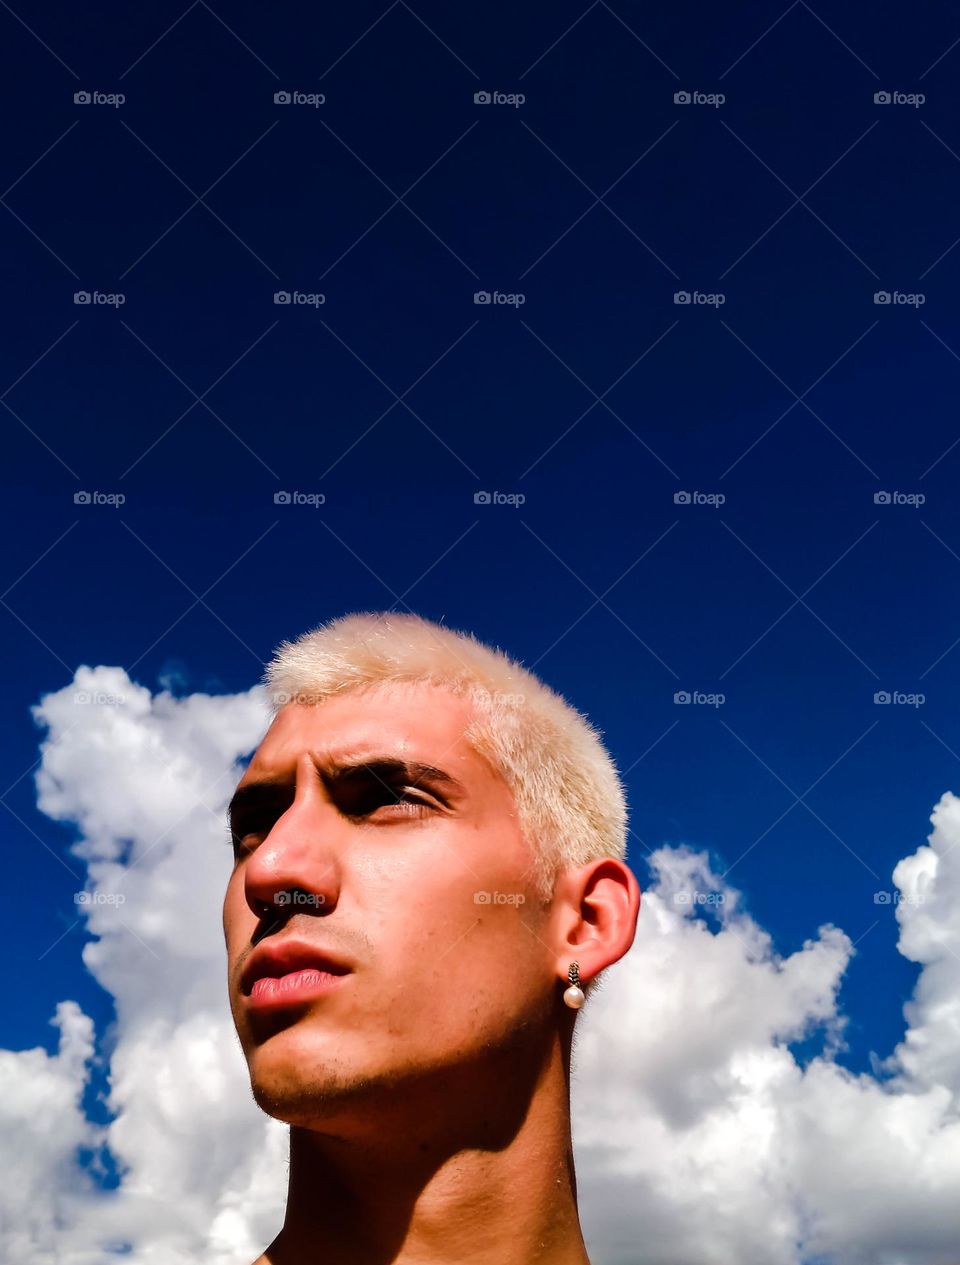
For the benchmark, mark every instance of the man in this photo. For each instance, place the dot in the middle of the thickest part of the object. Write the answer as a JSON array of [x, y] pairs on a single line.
[[428, 877]]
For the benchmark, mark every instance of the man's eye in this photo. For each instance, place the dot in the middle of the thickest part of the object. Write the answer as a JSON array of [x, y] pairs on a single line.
[[245, 833], [243, 841], [401, 802], [388, 801]]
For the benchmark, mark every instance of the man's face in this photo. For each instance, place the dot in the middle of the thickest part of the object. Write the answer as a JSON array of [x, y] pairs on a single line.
[[401, 854]]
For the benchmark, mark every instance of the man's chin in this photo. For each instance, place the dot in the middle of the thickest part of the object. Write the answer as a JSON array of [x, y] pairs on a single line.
[[306, 1101], [312, 1082]]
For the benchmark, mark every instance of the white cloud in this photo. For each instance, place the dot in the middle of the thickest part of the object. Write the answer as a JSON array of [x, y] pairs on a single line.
[[700, 1139], [929, 917], [146, 780], [41, 1127]]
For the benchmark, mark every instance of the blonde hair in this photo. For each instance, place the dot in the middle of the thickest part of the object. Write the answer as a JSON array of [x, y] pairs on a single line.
[[570, 801]]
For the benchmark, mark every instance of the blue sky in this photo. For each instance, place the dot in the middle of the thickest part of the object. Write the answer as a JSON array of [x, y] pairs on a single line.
[[795, 397]]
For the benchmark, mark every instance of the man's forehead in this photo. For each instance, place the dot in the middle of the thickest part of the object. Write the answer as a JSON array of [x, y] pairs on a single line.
[[412, 720]]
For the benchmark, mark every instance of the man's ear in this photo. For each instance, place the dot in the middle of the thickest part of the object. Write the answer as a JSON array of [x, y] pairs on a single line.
[[595, 909]]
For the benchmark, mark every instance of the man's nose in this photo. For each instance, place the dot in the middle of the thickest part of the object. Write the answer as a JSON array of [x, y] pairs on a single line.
[[297, 867]]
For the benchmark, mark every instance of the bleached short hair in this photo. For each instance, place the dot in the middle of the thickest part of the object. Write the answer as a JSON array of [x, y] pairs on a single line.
[[570, 802]]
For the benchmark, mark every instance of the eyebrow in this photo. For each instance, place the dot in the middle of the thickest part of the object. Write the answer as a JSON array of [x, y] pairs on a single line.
[[413, 771], [256, 794], [382, 768]]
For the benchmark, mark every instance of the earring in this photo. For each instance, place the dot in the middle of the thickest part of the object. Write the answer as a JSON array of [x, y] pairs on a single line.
[[574, 996]]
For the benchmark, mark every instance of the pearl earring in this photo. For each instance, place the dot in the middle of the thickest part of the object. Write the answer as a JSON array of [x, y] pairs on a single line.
[[574, 996]]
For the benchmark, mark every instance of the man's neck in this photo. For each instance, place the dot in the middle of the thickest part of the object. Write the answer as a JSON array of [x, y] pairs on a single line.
[[486, 1179]]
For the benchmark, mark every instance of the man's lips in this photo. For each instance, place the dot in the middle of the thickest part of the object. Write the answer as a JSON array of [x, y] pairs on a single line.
[[283, 968], [293, 988]]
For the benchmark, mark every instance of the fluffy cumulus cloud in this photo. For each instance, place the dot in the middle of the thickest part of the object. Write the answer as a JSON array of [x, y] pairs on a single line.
[[145, 778], [700, 1138], [711, 1144]]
